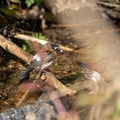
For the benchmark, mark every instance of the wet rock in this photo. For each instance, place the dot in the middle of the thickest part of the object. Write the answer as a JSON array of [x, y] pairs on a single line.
[[13, 114], [41, 110]]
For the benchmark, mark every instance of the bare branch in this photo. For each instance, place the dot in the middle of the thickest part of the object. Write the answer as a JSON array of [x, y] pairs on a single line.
[[30, 38], [42, 42], [14, 49], [52, 81]]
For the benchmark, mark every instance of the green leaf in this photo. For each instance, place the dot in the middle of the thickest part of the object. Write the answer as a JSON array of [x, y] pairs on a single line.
[[24, 47], [27, 46], [8, 12], [38, 2], [29, 2], [40, 36]]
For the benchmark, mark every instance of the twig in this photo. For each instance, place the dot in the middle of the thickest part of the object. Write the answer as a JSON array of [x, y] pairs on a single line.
[[80, 50], [25, 95], [53, 82], [14, 49], [42, 42], [62, 111], [30, 38], [108, 4], [58, 104]]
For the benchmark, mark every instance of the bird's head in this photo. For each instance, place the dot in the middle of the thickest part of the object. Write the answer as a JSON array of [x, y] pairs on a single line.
[[56, 48]]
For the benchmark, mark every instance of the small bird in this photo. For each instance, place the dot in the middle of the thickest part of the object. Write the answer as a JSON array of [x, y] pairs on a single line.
[[42, 59]]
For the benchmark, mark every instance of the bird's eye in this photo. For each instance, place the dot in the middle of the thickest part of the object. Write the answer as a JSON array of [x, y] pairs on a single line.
[[55, 46]]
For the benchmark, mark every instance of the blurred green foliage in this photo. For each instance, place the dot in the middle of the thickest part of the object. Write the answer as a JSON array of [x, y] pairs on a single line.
[[27, 46], [40, 36], [31, 2], [8, 12], [118, 106]]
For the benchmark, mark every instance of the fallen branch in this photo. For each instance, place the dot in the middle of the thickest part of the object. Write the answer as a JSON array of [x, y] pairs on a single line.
[[42, 42], [14, 49], [109, 4], [51, 80], [30, 38]]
